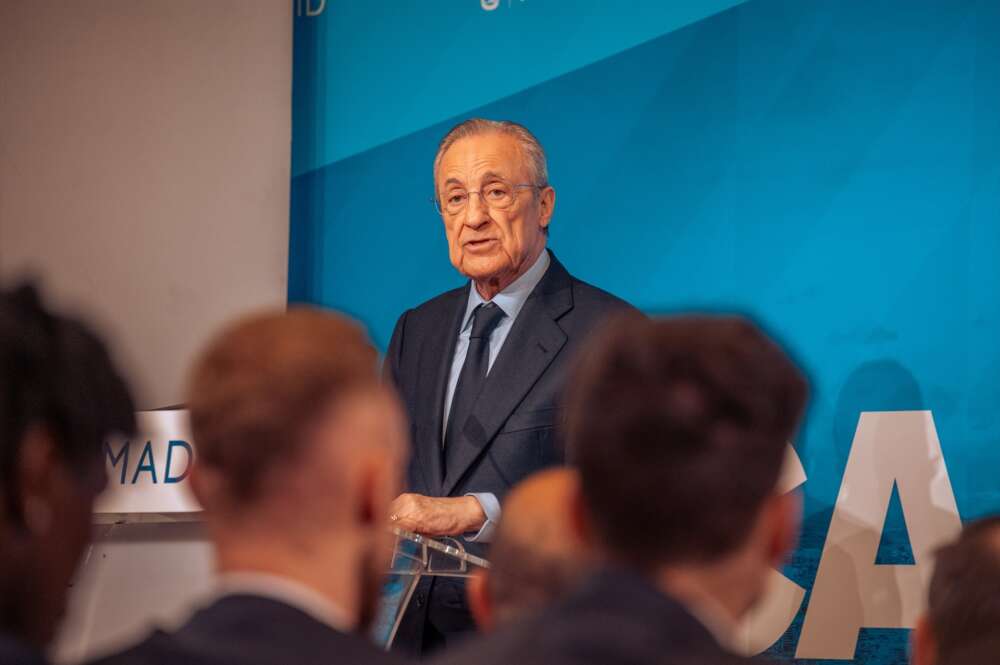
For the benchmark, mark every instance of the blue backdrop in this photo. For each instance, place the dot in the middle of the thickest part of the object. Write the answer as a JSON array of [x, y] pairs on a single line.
[[829, 166]]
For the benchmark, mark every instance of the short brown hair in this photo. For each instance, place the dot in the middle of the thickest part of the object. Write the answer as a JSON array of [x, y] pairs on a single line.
[[963, 601], [263, 381], [679, 427]]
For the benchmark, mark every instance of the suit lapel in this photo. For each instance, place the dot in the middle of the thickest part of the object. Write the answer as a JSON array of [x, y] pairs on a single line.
[[530, 347], [435, 366]]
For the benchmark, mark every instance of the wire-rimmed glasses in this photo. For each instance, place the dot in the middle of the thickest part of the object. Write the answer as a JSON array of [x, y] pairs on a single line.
[[497, 195]]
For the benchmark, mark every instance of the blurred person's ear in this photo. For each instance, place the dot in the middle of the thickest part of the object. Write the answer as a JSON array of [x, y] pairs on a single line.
[[382, 475], [579, 517], [480, 603], [204, 485], [784, 512], [37, 482], [377, 485], [375, 471], [923, 645], [54, 515], [371, 506]]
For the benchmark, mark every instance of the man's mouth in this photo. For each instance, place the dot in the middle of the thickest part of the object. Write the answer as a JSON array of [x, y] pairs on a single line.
[[479, 244]]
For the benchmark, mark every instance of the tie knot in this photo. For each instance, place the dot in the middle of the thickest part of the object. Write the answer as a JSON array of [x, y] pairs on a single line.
[[485, 318]]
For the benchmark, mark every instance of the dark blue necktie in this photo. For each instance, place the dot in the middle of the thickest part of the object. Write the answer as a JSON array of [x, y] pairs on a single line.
[[472, 378]]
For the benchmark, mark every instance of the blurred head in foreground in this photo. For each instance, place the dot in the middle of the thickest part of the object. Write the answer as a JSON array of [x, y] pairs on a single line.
[[537, 554], [61, 396], [962, 623], [300, 452], [679, 427]]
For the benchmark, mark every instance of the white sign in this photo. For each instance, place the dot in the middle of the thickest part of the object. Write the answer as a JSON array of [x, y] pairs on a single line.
[[147, 474]]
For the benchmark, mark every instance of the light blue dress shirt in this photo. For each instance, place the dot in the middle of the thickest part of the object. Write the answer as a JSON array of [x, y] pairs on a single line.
[[511, 300]]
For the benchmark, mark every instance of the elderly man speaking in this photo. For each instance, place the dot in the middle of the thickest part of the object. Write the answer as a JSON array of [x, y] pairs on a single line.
[[481, 368]]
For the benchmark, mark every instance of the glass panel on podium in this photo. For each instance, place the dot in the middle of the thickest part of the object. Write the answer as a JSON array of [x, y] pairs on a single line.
[[416, 556]]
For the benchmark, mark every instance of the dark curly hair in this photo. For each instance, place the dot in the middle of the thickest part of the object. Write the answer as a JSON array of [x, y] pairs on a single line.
[[57, 374]]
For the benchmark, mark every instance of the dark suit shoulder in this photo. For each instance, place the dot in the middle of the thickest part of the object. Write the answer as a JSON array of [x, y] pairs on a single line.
[[588, 295], [597, 639], [162, 648], [253, 631], [439, 305], [155, 648], [15, 652], [614, 618], [418, 323]]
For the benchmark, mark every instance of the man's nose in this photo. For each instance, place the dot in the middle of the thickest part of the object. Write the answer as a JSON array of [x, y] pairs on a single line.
[[477, 212]]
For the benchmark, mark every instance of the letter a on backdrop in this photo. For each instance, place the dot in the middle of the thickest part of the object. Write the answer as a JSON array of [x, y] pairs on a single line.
[[852, 592]]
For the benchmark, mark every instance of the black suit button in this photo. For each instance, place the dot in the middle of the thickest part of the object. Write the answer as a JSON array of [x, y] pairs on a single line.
[[420, 599]]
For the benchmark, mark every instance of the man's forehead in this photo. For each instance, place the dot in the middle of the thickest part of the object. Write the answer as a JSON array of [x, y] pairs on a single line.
[[475, 155]]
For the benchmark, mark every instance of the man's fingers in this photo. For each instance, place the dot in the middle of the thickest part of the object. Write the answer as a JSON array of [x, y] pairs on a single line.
[[420, 514]]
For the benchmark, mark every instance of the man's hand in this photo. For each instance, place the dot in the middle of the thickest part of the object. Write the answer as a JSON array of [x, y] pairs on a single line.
[[433, 516]]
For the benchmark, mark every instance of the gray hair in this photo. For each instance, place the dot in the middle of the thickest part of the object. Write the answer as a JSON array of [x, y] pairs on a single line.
[[529, 144]]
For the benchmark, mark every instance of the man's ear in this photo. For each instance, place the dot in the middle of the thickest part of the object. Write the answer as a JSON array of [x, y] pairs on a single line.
[[477, 591], [786, 516], [546, 206], [205, 485], [36, 471], [579, 517], [378, 484], [195, 484], [923, 644], [363, 501]]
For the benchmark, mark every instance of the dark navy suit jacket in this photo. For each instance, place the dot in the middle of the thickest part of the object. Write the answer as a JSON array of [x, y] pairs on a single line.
[[15, 652], [512, 430], [616, 618], [251, 630]]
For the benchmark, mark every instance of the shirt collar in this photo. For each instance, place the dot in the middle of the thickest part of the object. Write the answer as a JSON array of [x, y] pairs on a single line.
[[511, 300], [286, 591]]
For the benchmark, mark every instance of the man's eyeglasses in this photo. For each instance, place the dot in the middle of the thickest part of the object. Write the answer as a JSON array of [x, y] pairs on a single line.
[[497, 195]]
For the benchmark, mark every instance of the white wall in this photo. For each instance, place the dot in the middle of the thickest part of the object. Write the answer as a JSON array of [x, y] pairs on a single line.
[[144, 166], [134, 577], [144, 176]]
